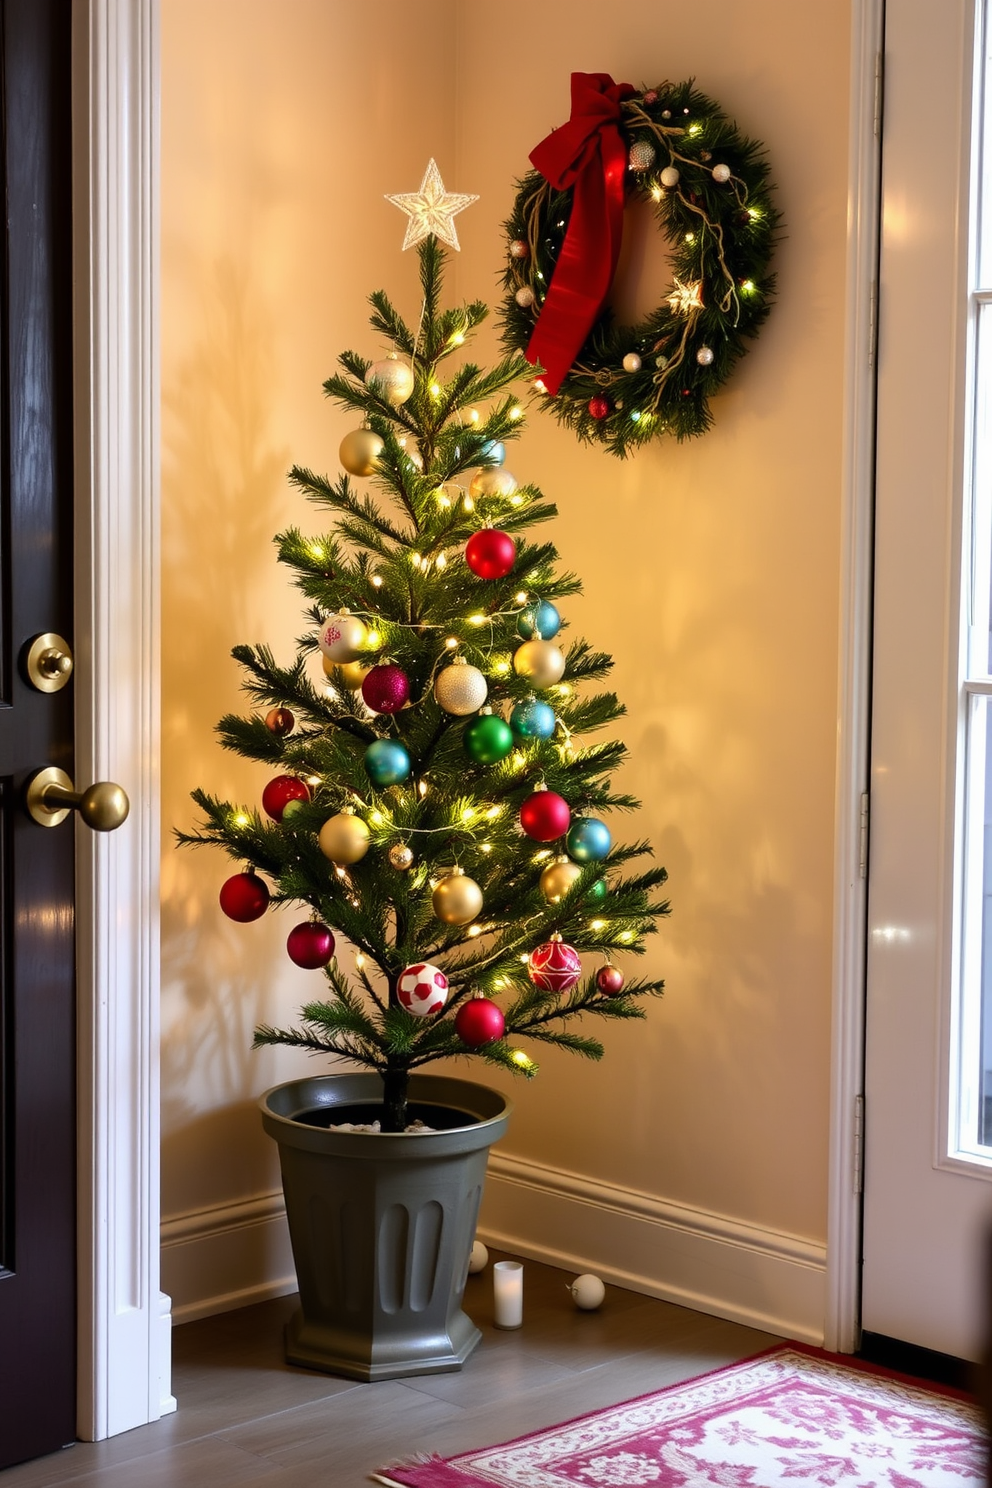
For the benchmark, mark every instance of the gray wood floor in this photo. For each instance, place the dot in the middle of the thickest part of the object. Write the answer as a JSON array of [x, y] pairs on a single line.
[[245, 1417]]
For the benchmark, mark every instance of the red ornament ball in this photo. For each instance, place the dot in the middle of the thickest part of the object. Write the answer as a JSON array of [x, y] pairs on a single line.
[[279, 721], [599, 407], [310, 945], [545, 815], [422, 989], [479, 1022], [244, 898], [278, 794], [554, 966], [386, 689], [490, 554], [609, 980]]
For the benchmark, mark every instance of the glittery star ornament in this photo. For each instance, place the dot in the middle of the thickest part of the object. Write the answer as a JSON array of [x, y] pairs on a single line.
[[686, 299], [431, 210]]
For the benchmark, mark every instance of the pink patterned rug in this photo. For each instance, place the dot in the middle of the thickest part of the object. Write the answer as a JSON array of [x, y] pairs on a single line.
[[777, 1421]]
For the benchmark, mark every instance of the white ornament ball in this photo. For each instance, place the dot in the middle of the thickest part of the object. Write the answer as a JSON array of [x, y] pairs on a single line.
[[395, 379], [461, 689], [641, 157], [540, 662], [587, 1292], [721, 173], [479, 1258], [669, 177], [494, 480], [360, 451], [524, 296], [519, 249], [344, 838], [632, 362], [704, 356], [342, 637], [422, 989]]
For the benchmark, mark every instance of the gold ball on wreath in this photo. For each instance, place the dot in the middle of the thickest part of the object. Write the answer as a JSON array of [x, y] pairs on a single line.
[[558, 878], [344, 838], [457, 899], [360, 451]]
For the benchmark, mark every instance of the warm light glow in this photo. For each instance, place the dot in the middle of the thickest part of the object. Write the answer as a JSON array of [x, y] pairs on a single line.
[[452, 643], [422, 788], [468, 504], [241, 820], [475, 929], [540, 384], [539, 857], [340, 873], [694, 129], [468, 813], [316, 551], [373, 639], [516, 413], [377, 818], [360, 960], [457, 339], [434, 390], [440, 561], [747, 287], [377, 581], [520, 598], [597, 924], [487, 847], [443, 499], [473, 415], [754, 213], [525, 958], [493, 813], [415, 559], [690, 237], [476, 619], [502, 667], [313, 780], [516, 500], [627, 936], [520, 1059], [564, 689], [517, 761], [656, 193]]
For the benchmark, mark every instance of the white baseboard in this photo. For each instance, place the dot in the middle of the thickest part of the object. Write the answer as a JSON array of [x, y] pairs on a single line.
[[708, 1262], [214, 1260], [217, 1259]]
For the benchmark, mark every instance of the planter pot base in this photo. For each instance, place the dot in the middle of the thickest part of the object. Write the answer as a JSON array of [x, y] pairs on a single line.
[[316, 1346]]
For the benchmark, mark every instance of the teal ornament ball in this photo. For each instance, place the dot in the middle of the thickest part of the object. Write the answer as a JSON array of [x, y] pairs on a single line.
[[588, 839], [539, 621], [533, 719], [487, 739], [494, 451], [387, 762]]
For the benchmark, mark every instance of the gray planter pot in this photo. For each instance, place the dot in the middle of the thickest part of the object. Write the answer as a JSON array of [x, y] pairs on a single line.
[[382, 1226]]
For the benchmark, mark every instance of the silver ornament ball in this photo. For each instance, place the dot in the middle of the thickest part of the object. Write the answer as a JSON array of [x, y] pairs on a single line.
[[632, 362], [721, 173], [460, 689], [401, 856], [641, 156], [524, 297], [669, 177], [394, 379], [540, 662], [493, 480], [704, 356], [519, 249]]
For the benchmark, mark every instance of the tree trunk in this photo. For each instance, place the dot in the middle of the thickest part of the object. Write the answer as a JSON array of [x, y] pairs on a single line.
[[395, 1082]]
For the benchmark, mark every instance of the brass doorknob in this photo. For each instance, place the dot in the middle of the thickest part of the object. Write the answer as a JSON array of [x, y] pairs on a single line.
[[51, 795]]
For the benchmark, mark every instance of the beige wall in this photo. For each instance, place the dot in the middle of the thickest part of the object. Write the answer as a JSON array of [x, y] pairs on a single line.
[[710, 570]]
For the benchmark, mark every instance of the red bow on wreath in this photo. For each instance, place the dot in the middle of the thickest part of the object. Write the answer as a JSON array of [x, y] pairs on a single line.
[[588, 155]]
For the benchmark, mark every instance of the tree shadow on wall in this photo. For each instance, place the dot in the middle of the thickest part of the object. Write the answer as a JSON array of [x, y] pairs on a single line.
[[224, 496]]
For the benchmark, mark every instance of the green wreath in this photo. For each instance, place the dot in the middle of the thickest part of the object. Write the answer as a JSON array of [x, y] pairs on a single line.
[[710, 187]]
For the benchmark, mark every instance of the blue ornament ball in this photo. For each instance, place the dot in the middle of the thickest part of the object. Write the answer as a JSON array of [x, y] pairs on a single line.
[[494, 451], [387, 762], [533, 719], [539, 621], [588, 839]]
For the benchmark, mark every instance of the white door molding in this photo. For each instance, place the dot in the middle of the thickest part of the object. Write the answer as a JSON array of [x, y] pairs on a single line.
[[123, 1338], [843, 1275]]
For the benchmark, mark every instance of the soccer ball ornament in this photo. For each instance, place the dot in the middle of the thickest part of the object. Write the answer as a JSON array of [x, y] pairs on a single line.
[[554, 966], [386, 689], [244, 898], [460, 689], [344, 838], [540, 662], [479, 1022], [281, 793], [342, 637], [457, 898], [422, 989], [490, 553], [360, 451], [394, 379], [310, 945]]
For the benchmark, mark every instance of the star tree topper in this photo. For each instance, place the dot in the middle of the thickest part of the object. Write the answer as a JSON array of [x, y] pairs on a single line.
[[431, 209]]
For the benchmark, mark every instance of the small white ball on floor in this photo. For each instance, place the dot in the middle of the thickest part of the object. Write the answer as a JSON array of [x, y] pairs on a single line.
[[587, 1292], [479, 1259]]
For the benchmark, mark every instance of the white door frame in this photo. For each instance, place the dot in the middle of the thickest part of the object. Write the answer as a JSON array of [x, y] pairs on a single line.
[[843, 1271], [123, 1359]]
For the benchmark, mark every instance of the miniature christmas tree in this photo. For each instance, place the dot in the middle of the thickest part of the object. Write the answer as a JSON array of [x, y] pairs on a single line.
[[435, 800]]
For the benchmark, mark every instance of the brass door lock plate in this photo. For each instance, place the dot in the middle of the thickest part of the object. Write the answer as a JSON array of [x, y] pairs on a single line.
[[48, 662]]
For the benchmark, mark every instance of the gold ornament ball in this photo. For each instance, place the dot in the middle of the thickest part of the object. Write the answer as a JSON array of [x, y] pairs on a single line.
[[558, 878], [353, 672], [457, 899], [401, 856], [360, 451], [344, 838], [496, 480], [540, 662], [395, 380], [461, 689]]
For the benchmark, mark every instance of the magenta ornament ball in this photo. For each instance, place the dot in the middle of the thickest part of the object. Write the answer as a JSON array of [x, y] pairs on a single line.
[[310, 945], [479, 1022], [490, 554], [609, 980], [386, 689], [244, 898], [545, 815]]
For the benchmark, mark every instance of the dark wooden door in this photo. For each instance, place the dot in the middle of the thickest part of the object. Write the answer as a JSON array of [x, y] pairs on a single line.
[[37, 1030]]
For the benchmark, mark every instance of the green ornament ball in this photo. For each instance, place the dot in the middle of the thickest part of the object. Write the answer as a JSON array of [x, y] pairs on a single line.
[[597, 891], [488, 739]]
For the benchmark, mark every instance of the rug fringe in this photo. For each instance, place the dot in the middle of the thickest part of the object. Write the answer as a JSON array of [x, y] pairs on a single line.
[[443, 1473]]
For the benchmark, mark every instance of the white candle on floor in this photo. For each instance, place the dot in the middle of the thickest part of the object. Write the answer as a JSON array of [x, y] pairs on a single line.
[[508, 1293]]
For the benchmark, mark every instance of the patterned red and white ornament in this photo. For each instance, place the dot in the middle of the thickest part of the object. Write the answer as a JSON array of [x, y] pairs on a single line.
[[422, 989], [554, 966]]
